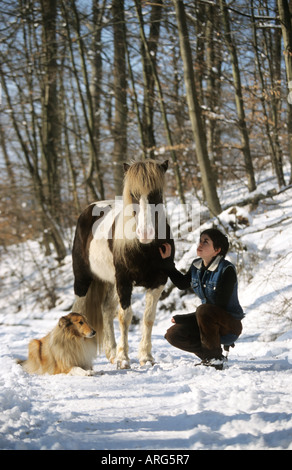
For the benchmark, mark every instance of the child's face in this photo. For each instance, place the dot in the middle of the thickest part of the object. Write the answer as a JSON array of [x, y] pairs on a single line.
[[206, 249]]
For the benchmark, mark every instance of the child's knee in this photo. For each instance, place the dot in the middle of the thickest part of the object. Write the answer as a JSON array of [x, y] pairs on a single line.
[[203, 312], [169, 335]]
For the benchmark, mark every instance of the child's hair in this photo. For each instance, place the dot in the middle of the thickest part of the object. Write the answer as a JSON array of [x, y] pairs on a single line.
[[219, 240]]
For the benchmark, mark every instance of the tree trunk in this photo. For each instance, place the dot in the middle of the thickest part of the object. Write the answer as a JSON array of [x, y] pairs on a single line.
[[286, 25], [93, 178], [195, 113], [94, 171], [148, 76], [274, 60], [271, 133], [238, 98], [120, 92], [50, 111], [213, 88], [136, 104]]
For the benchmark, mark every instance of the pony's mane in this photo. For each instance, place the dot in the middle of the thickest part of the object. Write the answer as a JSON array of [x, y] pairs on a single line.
[[142, 178]]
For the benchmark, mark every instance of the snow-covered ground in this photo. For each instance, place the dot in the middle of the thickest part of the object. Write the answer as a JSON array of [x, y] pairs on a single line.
[[172, 405]]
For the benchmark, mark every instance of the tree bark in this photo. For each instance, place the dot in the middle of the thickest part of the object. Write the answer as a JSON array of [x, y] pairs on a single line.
[[50, 111], [120, 92], [149, 79]]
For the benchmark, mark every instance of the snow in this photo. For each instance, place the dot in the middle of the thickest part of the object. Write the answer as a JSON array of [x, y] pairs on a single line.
[[172, 405]]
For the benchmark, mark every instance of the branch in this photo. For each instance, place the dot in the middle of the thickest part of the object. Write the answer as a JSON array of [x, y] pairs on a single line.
[[258, 197]]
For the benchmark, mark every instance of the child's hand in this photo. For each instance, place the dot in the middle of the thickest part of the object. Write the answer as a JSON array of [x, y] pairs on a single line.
[[165, 250]]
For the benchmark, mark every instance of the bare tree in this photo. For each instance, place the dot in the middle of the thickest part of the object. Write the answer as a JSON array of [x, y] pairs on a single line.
[[272, 45], [35, 132], [238, 98], [89, 102], [162, 105], [148, 76], [195, 112], [98, 8], [68, 119]]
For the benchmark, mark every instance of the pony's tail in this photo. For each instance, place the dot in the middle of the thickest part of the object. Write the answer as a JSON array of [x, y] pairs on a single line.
[[93, 309]]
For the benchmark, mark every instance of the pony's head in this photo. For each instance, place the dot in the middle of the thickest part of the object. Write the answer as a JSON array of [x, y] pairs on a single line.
[[142, 195]]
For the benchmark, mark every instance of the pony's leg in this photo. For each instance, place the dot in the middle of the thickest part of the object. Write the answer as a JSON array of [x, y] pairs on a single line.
[[124, 290], [109, 313], [82, 284], [91, 306], [152, 297], [125, 317]]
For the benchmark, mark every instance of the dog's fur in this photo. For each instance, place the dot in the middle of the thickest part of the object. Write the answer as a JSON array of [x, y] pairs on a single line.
[[67, 349]]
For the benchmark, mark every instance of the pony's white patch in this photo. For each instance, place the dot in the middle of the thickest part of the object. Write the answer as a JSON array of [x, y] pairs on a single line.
[[101, 260], [100, 256], [145, 229], [116, 220]]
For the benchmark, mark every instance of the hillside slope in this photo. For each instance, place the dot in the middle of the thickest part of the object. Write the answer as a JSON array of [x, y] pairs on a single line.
[[172, 405]]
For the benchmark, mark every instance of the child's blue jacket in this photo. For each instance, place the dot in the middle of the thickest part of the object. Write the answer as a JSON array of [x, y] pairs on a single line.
[[206, 283]]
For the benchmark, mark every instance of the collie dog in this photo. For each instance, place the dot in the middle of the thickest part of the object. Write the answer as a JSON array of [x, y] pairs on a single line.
[[67, 349]]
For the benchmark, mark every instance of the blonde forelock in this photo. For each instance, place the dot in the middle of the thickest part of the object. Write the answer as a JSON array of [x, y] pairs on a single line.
[[142, 178]]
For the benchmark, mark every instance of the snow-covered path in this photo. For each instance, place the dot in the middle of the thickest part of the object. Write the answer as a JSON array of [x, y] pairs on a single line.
[[173, 405]]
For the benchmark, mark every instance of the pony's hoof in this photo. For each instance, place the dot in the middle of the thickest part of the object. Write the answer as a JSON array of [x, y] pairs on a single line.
[[147, 362], [124, 364]]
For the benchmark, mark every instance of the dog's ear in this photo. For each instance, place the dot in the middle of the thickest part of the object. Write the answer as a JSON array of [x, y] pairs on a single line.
[[63, 322]]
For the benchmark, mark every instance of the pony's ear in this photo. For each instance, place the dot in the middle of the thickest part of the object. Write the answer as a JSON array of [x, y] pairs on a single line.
[[164, 165], [126, 167]]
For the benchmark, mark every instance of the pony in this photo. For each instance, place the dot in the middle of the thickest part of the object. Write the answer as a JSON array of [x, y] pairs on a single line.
[[116, 247]]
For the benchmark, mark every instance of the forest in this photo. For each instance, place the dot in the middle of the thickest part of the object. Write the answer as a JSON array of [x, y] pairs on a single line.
[[89, 84]]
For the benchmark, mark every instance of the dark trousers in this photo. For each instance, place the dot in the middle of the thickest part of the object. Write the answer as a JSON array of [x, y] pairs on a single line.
[[201, 332]]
